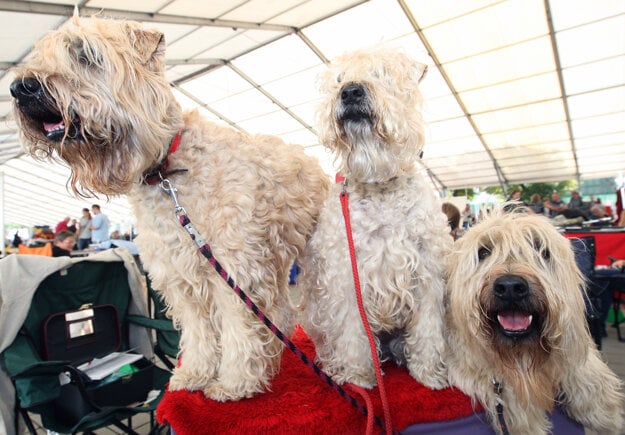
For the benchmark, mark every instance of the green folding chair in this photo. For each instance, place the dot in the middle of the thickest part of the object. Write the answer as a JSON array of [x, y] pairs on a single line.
[[110, 278]]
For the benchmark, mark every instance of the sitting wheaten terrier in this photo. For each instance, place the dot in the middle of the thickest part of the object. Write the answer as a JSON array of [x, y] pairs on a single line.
[[94, 94], [370, 118], [518, 339]]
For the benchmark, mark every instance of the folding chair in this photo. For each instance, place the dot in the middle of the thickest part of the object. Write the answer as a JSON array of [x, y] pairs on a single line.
[[45, 250], [585, 252], [167, 336], [34, 287]]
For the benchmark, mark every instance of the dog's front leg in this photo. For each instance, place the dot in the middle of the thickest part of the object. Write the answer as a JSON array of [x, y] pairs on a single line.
[[593, 395], [199, 347], [425, 344], [343, 349]]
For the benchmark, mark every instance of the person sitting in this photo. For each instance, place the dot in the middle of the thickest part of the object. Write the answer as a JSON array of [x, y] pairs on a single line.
[[536, 204], [63, 244], [514, 201], [555, 205], [576, 200], [599, 216]]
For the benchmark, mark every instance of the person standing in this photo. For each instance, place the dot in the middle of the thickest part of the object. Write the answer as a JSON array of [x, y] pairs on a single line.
[[62, 226], [84, 232], [468, 217], [99, 225]]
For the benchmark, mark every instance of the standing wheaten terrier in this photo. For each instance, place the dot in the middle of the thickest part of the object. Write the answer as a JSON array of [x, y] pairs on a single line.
[[94, 94], [370, 118], [516, 320]]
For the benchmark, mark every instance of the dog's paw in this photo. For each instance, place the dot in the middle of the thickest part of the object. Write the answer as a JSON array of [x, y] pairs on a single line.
[[184, 380], [435, 382], [434, 378], [218, 392], [364, 380]]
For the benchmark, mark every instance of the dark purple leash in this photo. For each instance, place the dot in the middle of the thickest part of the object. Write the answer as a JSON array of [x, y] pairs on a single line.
[[205, 249]]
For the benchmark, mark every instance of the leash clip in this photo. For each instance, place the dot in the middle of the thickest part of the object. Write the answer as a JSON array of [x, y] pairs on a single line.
[[167, 187]]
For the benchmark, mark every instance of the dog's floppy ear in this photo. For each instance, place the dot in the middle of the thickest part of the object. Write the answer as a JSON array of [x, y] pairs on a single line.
[[149, 43], [422, 71]]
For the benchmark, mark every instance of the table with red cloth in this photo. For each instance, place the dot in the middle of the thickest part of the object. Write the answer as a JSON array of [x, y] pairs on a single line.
[[607, 242]]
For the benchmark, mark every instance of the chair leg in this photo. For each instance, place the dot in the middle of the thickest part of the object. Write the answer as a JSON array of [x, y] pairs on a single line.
[[127, 429], [29, 423], [616, 308]]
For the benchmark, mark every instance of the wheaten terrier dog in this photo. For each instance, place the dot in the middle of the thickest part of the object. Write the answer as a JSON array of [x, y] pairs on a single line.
[[94, 94], [370, 119], [516, 319]]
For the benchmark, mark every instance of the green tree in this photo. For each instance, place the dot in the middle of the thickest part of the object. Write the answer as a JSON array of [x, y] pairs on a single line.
[[469, 193]]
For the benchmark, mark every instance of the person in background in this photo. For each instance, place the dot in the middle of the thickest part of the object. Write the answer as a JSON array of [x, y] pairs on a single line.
[[72, 226], [514, 201], [618, 264], [63, 244], [536, 204], [468, 217], [17, 240], [453, 219], [99, 225], [555, 205], [84, 232], [62, 226], [515, 195], [576, 200], [598, 212]]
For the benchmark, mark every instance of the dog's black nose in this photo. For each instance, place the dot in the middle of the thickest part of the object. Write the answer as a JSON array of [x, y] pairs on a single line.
[[24, 87], [352, 94], [511, 287]]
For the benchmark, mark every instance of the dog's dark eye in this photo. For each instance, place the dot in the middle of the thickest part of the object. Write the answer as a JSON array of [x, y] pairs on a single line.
[[483, 253], [339, 78], [542, 250], [82, 57]]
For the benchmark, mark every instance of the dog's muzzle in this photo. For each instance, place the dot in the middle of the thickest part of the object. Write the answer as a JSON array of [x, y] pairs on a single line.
[[512, 307], [354, 103], [33, 102]]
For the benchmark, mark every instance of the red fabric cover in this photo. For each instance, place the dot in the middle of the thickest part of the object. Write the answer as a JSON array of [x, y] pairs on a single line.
[[606, 244], [301, 403]]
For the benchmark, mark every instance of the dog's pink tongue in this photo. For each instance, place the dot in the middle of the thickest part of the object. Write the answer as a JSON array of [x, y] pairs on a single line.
[[514, 321], [49, 126]]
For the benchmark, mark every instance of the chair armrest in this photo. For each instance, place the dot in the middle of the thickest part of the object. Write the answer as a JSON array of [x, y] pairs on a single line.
[[158, 324]]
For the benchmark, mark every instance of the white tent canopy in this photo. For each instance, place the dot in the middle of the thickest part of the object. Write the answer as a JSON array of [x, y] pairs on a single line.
[[518, 91]]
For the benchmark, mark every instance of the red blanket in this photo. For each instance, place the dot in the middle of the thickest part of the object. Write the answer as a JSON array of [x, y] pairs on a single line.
[[301, 403]]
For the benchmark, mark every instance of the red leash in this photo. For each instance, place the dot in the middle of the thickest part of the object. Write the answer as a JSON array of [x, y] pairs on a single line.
[[363, 315]]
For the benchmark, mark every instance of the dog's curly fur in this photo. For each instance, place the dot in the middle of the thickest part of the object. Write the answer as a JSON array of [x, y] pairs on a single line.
[[370, 118], [101, 83], [516, 315]]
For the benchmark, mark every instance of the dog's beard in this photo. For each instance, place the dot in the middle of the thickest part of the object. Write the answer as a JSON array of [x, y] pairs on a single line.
[[515, 332], [366, 157]]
